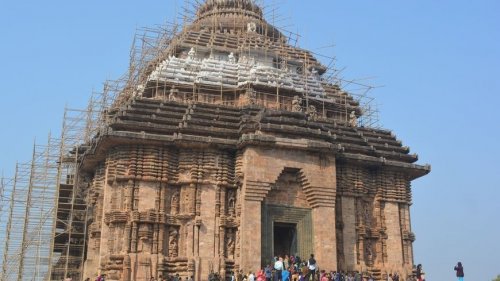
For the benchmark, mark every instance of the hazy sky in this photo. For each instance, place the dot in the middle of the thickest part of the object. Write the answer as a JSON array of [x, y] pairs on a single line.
[[438, 63]]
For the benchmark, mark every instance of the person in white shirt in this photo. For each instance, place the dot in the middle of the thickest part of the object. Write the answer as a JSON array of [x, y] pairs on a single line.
[[312, 265], [278, 266], [251, 276]]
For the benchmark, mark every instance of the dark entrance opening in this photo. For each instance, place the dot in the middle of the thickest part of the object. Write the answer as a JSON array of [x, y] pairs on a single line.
[[285, 239]]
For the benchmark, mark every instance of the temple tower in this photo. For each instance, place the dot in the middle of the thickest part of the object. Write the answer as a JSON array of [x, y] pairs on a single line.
[[231, 147]]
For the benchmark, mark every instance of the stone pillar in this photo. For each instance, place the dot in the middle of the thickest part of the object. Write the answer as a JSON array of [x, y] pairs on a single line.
[[394, 239], [325, 242], [349, 233], [250, 236]]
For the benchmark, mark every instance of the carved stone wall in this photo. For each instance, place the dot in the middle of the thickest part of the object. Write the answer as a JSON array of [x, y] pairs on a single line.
[[376, 202], [151, 205], [159, 211]]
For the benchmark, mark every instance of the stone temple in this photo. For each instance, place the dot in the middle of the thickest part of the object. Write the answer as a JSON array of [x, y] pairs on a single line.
[[233, 148]]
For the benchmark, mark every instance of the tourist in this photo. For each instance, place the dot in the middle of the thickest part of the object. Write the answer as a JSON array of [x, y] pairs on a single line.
[[460, 271], [251, 276], [305, 271], [357, 276], [371, 278], [395, 277], [419, 272], [297, 261], [261, 276], [233, 278], [285, 275], [295, 274], [286, 262], [268, 271], [278, 266], [311, 265], [338, 275]]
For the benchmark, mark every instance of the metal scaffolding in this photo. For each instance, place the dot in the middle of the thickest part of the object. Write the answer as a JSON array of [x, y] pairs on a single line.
[[29, 215], [43, 206], [69, 230]]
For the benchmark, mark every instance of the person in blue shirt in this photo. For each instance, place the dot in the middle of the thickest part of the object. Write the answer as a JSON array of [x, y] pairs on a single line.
[[268, 272], [285, 275]]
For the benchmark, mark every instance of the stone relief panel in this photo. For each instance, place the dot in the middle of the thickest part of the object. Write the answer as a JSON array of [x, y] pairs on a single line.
[[175, 202], [173, 241], [230, 243], [231, 202]]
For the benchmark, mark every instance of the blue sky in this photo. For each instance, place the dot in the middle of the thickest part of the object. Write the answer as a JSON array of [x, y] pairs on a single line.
[[438, 63]]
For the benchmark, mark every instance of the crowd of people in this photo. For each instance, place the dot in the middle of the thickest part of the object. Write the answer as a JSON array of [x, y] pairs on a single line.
[[293, 268]]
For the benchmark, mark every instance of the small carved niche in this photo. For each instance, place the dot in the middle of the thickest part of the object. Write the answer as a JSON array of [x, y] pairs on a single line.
[[175, 202], [231, 202], [145, 235]]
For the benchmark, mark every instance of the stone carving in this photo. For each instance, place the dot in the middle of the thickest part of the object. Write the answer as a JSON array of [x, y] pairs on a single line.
[[367, 214], [231, 200], [172, 96], [173, 243], [251, 27], [191, 54], [230, 243], [369, 252], [312, 112], [297, 104], [249, 98], [243, 60], [174, 203], [353, 120], [232, 58]]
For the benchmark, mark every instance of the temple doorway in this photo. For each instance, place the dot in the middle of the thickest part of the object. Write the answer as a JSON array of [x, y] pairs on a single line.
[[284, 239]]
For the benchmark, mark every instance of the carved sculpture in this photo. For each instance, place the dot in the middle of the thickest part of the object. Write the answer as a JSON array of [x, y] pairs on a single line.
[[369, 252], [313, 114], [172, 96], [297, 104], [251, 27], [232, 58], [353, 120], [173, 243], [191, 54], [231, 203], [174, 203], [230, 244]]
